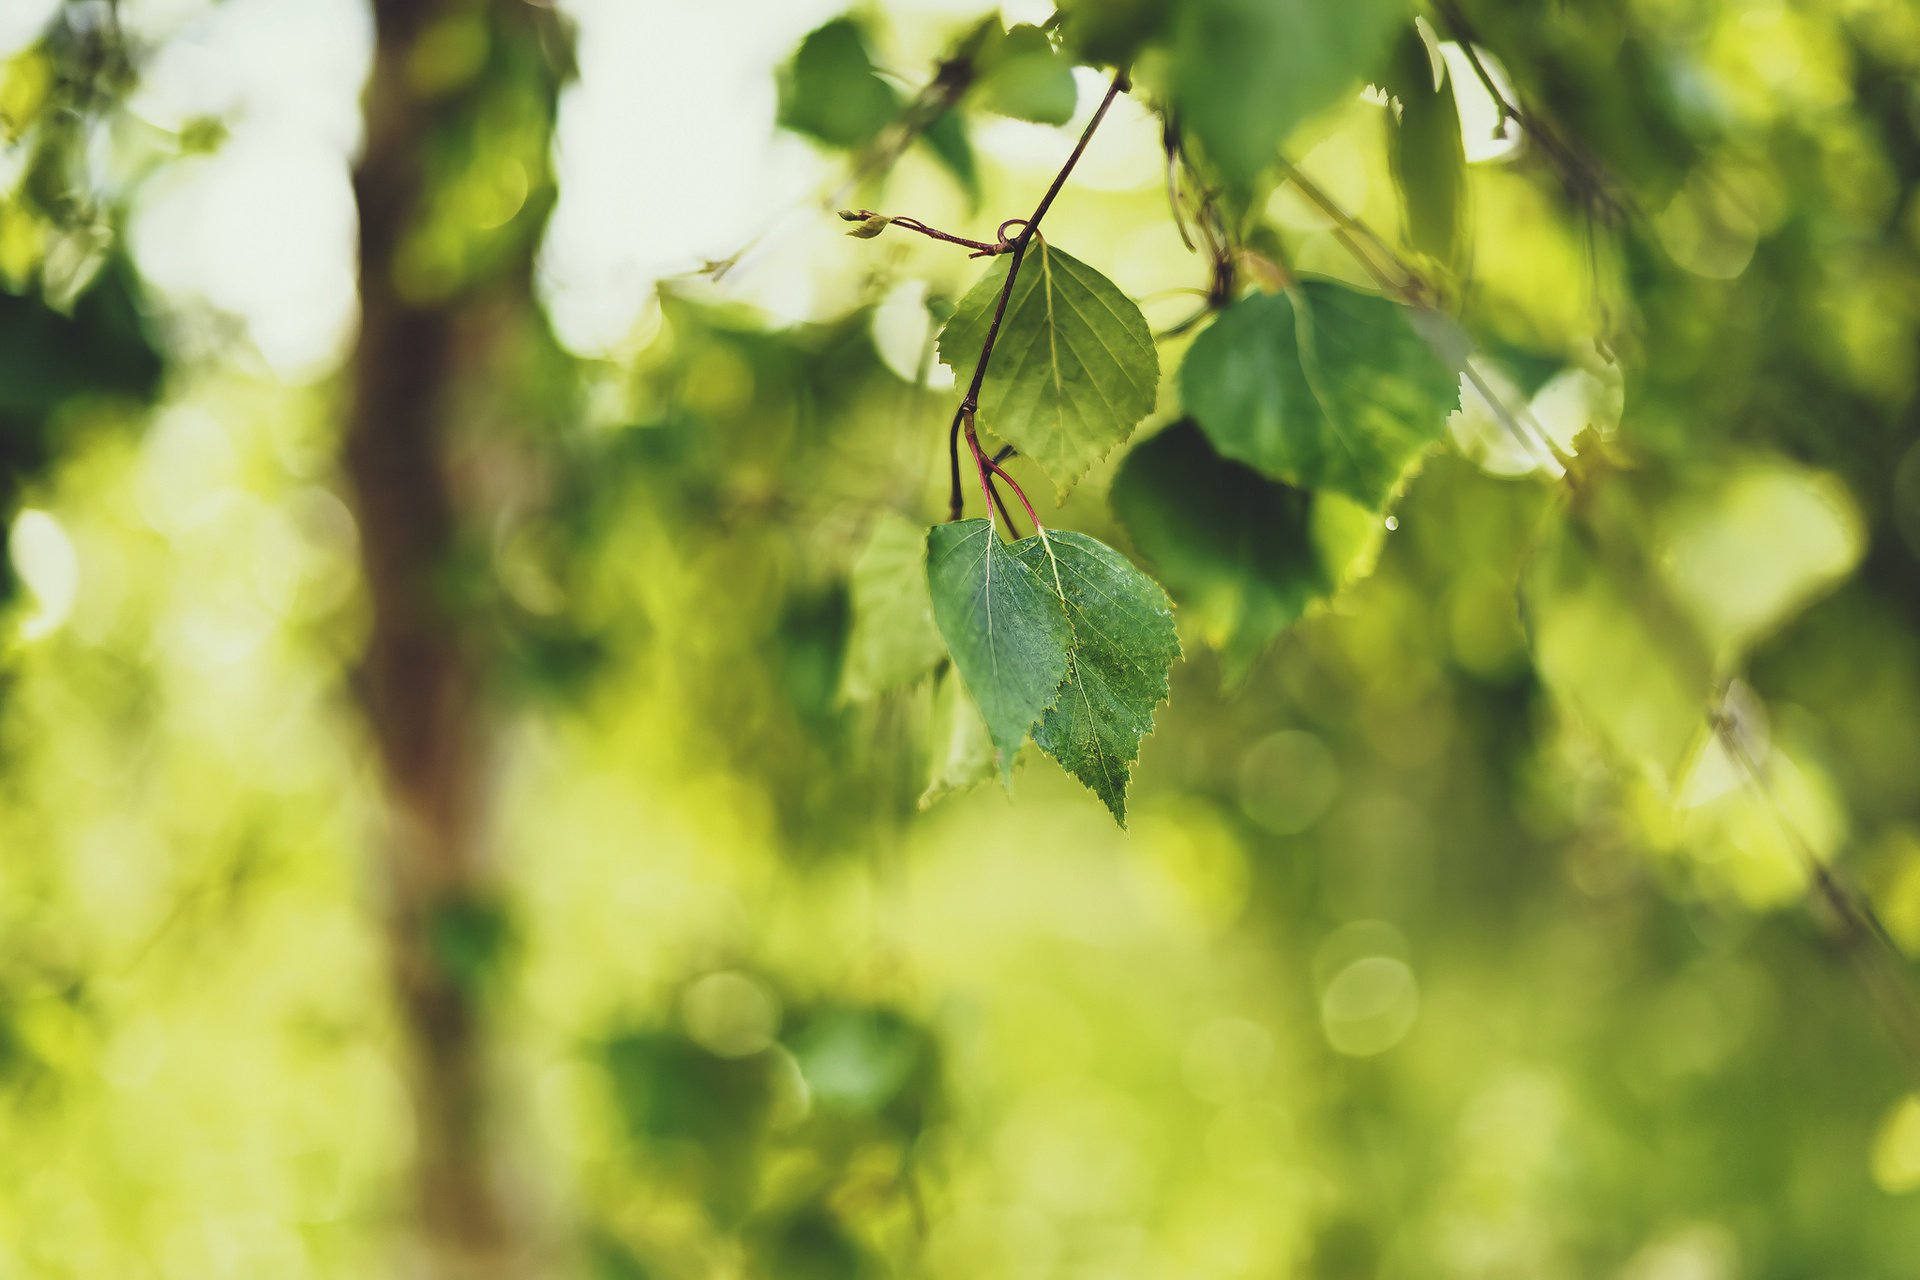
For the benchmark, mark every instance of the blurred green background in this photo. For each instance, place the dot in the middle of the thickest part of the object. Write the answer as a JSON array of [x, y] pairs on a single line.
[[1446, 940]]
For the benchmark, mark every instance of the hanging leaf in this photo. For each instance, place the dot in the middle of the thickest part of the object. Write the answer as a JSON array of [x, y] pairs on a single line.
[[1025, 77], [830, 90], [1323, 387], [1006, 629], [1245, 72], [1074, 369], [1425, 151], [960, 752], [894, 641], [1244, 555], [1123, 643]]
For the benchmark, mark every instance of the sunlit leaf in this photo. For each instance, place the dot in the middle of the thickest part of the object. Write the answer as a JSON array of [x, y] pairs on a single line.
[[1247, 71], [1322, 386], [1027, 78], [959, 751], [1074, 369], [894, 641]]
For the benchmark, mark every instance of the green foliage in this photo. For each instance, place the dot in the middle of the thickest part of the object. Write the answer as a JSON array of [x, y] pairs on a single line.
[[1246, 72], [1243, 555], [1442, 943], [1022, 75], [1322, 387], [1123, 644], [1425, 150], [1006, 628], [1078, 369], [894, 641], [960, 751], [830, 90]]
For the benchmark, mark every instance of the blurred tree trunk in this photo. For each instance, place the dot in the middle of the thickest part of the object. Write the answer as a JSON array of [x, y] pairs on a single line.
[[461, 99]]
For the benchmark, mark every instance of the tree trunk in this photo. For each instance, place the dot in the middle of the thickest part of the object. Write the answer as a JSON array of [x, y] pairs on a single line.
[[425, 366]]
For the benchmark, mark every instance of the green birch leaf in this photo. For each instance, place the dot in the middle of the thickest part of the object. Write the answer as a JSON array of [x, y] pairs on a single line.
[[1027, 78], [1322, 387], [830, 90], [1245, 72], [1245, 556], [1074, 369], [1006, 629], [961, 752], [1425, 151], [1124, 641], [894, 641]]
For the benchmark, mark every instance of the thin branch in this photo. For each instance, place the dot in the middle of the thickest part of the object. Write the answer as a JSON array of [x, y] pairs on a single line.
[[1876, 959], [1029, 228], [981, 248]]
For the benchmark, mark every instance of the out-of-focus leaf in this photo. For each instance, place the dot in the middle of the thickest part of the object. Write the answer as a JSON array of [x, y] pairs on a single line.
[[830, 90], [1074, 369], [1322, 386], [1749, 551], [1006, 629], [947, 139], [1608, 640], [960, 751], [1113, 32], [859, 1060], [894, 641], [708, 1112], [1247, 71], [1027, 78], [811, 1244], [1426, 152], [1245, 556], [101, 348], [1124, 641]]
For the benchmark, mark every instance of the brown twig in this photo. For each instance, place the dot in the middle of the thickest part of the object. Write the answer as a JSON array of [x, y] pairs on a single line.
[[981, 249]]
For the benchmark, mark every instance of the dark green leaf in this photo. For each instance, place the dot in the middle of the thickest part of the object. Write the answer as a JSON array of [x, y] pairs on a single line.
[[1124, 641], [1323, 387], [1074, 369], [1006, 629], [1112, 32], [1244, 555], [1247, 71]]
